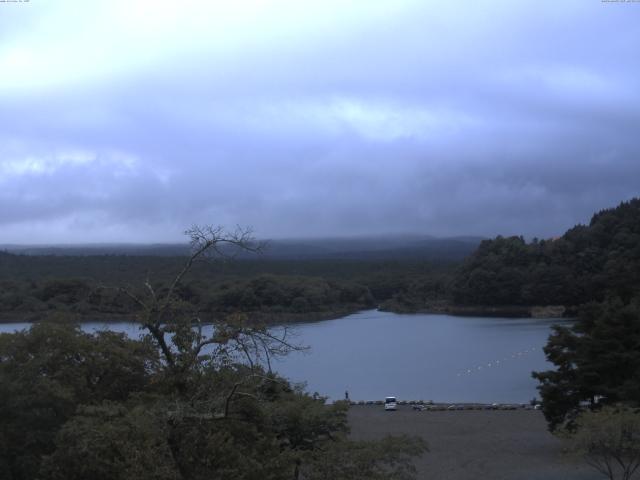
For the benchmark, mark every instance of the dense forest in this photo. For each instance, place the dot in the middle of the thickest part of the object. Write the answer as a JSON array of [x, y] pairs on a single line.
[[587, 263], [507, 274], [35, 287]]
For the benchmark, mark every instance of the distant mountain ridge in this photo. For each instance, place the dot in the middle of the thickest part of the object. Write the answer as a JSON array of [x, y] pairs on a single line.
[[155, 250], [348, 248]]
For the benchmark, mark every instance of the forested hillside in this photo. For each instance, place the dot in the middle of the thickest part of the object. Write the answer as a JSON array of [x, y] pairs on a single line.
[[508, 274], [597, 357], [586, 264]]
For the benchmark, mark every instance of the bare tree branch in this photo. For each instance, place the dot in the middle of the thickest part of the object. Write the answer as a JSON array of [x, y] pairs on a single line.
[[177, 330]]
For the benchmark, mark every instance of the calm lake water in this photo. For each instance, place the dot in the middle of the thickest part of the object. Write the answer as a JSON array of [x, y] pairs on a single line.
[[442, 358]]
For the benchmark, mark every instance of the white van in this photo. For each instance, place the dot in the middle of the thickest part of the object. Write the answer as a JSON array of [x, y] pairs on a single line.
[[390, 403]]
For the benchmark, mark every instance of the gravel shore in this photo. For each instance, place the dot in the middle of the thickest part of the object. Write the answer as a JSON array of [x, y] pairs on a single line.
[[473, 445]]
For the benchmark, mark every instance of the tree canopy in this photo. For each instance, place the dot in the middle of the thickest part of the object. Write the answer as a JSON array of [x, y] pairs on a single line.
[[597, 361], [587, 263], [176, 404]]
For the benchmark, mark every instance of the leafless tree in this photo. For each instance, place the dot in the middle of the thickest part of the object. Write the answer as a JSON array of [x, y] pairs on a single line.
[[609, 441], [176, 327]]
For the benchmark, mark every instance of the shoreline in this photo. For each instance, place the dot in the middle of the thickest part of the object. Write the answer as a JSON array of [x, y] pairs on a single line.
[[506, 311], [430, 406], [270, 319], [289, 318]]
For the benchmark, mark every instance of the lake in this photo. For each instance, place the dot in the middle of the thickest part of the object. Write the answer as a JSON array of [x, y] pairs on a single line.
[[444, 358]]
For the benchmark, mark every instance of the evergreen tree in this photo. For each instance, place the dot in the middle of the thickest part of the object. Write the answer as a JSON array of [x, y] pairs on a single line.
[[597, 362]]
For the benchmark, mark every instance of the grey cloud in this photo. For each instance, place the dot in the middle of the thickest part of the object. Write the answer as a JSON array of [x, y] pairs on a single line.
[[523, 121]]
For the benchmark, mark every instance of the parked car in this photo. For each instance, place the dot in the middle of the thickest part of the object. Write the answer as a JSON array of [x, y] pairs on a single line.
[[390, 403]]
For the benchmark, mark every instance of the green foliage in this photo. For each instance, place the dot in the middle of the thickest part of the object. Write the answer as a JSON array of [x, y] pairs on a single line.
[[597, 358], [47, 372], [419, 292], [33, 287], [178, 404], [65, 291], [271, 293], [100, 406], [109, 441], [609, 440], [588, 263]]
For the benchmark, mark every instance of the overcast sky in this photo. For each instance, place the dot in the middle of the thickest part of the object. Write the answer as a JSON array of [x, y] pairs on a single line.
[[130, 120]]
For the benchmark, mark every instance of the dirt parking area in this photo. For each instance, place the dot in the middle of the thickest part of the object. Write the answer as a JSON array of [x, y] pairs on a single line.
[[474, 444]]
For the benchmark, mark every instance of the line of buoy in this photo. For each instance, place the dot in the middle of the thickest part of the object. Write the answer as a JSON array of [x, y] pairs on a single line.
[[496, 363]]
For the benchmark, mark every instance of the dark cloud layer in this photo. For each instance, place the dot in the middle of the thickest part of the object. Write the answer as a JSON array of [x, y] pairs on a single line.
[[496, 118]]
